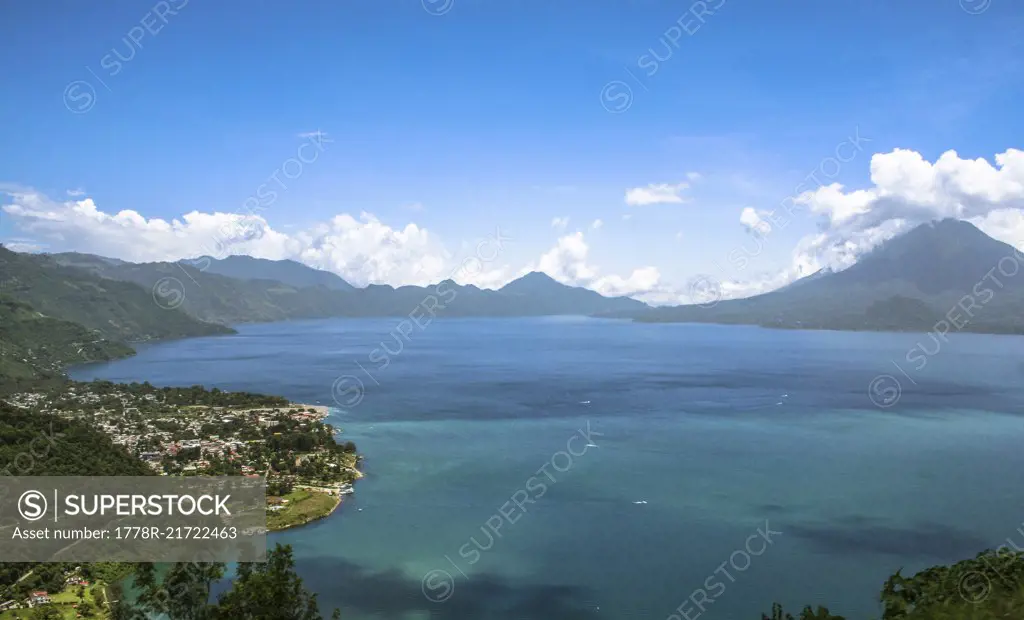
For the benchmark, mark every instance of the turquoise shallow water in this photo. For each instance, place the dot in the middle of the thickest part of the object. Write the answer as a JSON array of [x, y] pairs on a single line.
[[702, 435]]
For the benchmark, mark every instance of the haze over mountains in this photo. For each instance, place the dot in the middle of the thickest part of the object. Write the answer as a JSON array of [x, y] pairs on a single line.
[[298, 291], [944, 276], [947, 270]]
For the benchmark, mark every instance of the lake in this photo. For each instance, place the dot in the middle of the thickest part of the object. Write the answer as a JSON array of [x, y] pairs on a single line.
[[563, 468]]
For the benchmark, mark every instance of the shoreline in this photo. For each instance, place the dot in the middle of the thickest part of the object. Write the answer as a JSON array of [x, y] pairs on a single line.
[[337, 496]]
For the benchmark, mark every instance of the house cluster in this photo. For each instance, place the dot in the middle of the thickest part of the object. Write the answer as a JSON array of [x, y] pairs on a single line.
[[197, 438], [73, 579]]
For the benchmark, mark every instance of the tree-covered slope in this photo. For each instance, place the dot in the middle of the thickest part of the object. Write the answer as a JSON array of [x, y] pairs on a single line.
[[285, 271], [59, 447], [118, 310], [35, 347]]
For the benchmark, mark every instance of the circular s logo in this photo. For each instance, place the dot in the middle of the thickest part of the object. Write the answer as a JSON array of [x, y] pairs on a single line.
[[438, 586], [32, 505], [616, 97], [168, 293], [79, 97], [884, 391]]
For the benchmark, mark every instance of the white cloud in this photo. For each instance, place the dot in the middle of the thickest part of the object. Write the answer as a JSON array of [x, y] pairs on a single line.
[[907, 185], [560, 222], [362, 250], [642, 281], [694, 176], [656, 193], [567, 263], [76, 193], [319, 135], [1007, 225], [753, 221], [627, 216], [22, 245], [415, 206], [906, 190]]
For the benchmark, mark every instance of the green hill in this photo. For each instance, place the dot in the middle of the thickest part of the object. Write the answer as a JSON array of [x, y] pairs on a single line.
[[117, 310], [34, 346]]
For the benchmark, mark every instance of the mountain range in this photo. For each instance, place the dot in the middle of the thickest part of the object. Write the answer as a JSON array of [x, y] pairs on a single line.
[[71, 307], [252, 295], [58, 309]]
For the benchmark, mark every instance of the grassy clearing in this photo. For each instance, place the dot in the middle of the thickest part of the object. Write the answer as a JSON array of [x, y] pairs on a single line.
[[303, 506]]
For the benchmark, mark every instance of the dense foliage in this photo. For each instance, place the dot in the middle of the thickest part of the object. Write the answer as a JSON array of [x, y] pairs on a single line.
[[120, 311], [33, 444], [186, 396], [35, 347], [989, 586], [265, 591]]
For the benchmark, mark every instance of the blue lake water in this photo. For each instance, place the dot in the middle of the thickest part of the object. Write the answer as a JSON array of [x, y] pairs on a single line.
[[700, 436]]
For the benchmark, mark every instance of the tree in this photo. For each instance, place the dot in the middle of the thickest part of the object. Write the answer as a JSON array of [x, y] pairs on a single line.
[[269, 591], [807, 614], [265, 591], [47, 612]]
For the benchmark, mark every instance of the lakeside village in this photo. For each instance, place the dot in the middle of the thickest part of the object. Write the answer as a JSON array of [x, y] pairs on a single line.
[[198, 432], [184, 432]]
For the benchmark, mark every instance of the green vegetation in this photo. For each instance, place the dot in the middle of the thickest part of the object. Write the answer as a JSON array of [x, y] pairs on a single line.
[[48, 426], [119, 311], [987, 587], [38, 444], [194, 431], [35, 347], [270, 591], [67, 602], [299, 507]]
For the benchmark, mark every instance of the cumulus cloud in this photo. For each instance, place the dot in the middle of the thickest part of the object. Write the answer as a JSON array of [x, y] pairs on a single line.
[[361, 249], [754, 222], [906, 190], [568, 263], [1007, 225], [906, 185], [560, 223], [656, 193]]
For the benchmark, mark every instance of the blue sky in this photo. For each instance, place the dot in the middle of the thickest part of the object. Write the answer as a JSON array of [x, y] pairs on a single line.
[[491, 114]]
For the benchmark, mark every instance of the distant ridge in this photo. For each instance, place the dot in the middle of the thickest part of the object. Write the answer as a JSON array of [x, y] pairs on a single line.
[[909, 283], [252, 295], [289, 272]]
